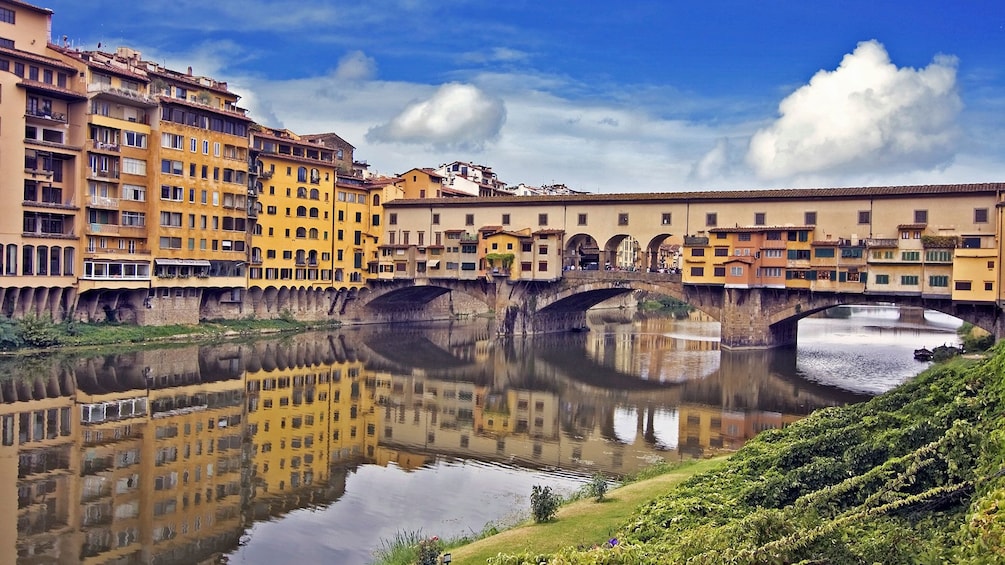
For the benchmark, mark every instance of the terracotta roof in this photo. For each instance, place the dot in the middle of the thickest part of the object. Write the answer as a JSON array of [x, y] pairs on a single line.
[[756, 229], [65, 92], [731, 195], [912, 226], [170, 100], [38, 58]]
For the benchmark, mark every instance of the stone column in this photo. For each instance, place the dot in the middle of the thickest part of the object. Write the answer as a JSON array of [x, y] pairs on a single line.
[[745, 321]]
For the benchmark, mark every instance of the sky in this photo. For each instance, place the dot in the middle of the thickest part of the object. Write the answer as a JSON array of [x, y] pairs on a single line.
[[604, 97]]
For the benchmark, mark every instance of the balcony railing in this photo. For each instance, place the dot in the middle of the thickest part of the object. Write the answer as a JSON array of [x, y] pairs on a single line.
[[104, 174], [46, 114], [104, 229], [103, 146], [104, 201]]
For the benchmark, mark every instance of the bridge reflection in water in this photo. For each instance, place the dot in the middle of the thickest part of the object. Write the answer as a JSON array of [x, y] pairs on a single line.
[[169, 455]]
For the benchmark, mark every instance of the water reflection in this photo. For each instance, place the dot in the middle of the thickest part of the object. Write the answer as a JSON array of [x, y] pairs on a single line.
[[187, 453]]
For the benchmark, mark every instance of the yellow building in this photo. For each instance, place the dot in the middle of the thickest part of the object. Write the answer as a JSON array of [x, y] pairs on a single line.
[[43, 101], [292, 239], [199, 210]]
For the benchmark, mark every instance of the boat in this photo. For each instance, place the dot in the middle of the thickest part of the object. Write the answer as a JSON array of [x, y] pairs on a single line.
[[923, 354]]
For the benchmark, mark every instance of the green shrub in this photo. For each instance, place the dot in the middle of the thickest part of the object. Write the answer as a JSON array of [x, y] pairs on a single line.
[[597, 487], [543, 503], [36, 331]]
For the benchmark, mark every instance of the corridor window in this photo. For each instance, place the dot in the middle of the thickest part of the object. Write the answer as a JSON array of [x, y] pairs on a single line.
[[582, 219], [864, 216], [759, 219], [921, 216], [810, 218], [623, 219], [666, 218], [711, 219], [542, 219], [980, 215]]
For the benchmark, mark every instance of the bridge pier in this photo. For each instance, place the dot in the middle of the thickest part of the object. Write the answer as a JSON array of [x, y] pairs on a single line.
[[745, 322]]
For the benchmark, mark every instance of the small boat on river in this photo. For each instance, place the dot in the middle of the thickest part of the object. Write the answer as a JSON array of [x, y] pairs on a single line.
[[923, 354]]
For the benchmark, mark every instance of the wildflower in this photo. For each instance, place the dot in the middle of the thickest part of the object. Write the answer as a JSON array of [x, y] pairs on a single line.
[[612, 542]]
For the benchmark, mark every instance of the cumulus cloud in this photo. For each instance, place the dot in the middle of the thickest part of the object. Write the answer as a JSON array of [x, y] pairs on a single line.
[[456, 116], [356, 66], [866, 115]]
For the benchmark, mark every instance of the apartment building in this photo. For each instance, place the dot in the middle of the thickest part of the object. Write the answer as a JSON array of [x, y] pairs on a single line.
[[41, 153]]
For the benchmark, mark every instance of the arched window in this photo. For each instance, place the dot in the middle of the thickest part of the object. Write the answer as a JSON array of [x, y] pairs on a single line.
[[314, 233], [301, 211], [11, 259], [314, 212], [67, 260], [256, 254], [376, 200], [312, 257], [55, 256], [301, 232], [43, 259], [315, 176], [28, 255], [258, 229], [300, 256], [301, 192], [302, 174], [315, 195]]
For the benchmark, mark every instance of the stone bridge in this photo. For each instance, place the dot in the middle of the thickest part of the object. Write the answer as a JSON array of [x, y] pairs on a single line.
[[749, 318]]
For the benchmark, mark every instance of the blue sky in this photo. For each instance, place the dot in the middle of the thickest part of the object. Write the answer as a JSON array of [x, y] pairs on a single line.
[[605, 96]]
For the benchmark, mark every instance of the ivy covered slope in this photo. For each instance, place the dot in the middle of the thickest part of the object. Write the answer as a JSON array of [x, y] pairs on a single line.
[[913, 476]]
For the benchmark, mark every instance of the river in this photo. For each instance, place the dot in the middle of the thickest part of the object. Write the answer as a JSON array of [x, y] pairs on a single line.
[[321, 447]]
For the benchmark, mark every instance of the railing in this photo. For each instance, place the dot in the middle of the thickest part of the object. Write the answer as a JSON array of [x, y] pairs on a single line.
[[102, 146], [888, 242], [690, 240], [104, 201], [104, 174], [122, 92], [595, 275], [48, 115], [109, 229]]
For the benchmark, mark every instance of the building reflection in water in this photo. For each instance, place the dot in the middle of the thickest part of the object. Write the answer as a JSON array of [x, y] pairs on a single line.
[[169, 455]]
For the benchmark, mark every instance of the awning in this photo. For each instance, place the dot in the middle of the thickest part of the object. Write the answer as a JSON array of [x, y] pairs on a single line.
[[434, 264], [183, 262]]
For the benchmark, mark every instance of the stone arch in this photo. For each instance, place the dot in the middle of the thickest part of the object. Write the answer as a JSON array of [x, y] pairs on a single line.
[[582, 253], [660, 256]]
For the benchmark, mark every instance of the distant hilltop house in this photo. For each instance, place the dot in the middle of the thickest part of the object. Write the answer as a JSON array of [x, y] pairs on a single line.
[[546, 190], [472, 179]]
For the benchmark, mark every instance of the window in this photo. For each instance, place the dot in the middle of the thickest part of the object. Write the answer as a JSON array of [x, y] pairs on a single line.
[[810, 218], [722, 252], [542, 219], [134, 166], [697, 271], [6, 15], [938, 280], [864, 216], [436, 219], [392, 218], [505, 219], [910, 255], [921, 216], [134, 139], [469, 219], [963, 285], [824, 252], [172, 141], [882, 279], [134, 192], [172, 167], [909, 280], [698, 251], [711, 219], [623, 219], [736, 271], [759, 218], [980, 215]]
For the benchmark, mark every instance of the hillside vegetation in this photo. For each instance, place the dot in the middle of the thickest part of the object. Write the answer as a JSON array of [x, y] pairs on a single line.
[[916, 475]]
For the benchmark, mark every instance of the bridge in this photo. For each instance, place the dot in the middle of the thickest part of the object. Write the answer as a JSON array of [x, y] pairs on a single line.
[[756, 261]]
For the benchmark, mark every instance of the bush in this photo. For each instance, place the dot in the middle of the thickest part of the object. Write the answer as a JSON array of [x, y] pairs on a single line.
[[429, 551], [36, 331], [543, 503], [597, 487]]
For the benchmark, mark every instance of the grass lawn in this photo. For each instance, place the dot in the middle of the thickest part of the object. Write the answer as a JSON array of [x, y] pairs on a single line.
[[581, 523]]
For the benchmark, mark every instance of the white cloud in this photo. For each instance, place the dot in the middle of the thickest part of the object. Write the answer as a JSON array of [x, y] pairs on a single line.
[[356, 66], [866, 115], [455, 116]]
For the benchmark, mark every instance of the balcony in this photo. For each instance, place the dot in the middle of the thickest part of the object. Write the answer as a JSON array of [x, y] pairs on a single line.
[[124, 94], [886, 242], [695, 240], [103, 146], [59, 117], [91, 173], [103, 202], [103, 229]]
